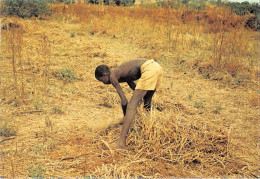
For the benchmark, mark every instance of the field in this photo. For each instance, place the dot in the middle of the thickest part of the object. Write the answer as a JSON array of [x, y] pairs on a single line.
[[57, 119]]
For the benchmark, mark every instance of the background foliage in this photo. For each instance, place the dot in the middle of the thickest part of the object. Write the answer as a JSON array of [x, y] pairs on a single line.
[[24, 8]]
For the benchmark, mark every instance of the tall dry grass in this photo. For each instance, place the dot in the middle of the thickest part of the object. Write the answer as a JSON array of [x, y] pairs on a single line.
[[13, 36], [214, 36], [29, 65]]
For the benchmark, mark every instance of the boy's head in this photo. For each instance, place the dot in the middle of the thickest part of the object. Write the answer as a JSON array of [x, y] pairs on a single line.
[[102, 74]]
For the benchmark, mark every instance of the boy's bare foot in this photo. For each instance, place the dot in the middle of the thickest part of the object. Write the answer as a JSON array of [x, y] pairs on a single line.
[[116, 145]]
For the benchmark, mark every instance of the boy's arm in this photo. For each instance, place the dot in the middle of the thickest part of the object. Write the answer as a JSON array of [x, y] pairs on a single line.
[[120, 92], [132, 85]]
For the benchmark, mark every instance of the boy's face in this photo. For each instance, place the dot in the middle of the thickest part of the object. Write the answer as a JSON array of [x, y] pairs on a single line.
[[105, 78]]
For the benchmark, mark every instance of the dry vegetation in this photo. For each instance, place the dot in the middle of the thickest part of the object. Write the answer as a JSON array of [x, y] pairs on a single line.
[[56, 118]]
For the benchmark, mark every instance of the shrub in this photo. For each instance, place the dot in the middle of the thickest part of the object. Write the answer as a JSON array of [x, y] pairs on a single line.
[[24, 8], [244, 8]]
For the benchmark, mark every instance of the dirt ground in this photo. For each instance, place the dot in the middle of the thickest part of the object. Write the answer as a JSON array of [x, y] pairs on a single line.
[[55, 134]]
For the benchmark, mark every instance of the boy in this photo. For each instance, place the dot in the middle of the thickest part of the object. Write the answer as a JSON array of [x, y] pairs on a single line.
[[149, 74]]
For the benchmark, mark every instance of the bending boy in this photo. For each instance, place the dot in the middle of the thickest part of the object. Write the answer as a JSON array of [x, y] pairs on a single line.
[[149, 74]]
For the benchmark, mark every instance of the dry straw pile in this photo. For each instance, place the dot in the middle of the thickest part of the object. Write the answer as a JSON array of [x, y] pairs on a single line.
[[166, 146]]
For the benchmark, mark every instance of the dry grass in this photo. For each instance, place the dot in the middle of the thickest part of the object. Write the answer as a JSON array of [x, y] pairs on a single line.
[[55, 116], [217, 40]]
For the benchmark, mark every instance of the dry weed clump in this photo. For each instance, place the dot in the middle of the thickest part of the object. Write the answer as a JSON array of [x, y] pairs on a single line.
[[176, 142]]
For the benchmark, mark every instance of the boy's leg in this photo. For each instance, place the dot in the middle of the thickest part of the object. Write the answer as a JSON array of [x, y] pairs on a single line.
[[148, 100], [129, 117]]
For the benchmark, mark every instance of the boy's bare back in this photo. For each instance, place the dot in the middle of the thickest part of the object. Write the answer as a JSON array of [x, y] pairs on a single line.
[[129, 71]]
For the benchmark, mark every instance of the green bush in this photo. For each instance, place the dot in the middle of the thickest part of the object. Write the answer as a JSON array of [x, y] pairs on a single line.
[[244, 8], [24, 8]]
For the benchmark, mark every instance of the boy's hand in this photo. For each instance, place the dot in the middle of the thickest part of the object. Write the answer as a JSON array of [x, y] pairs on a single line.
[[124, 106]]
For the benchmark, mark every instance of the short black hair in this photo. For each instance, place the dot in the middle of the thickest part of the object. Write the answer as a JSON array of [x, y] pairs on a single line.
[[100, 70]]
